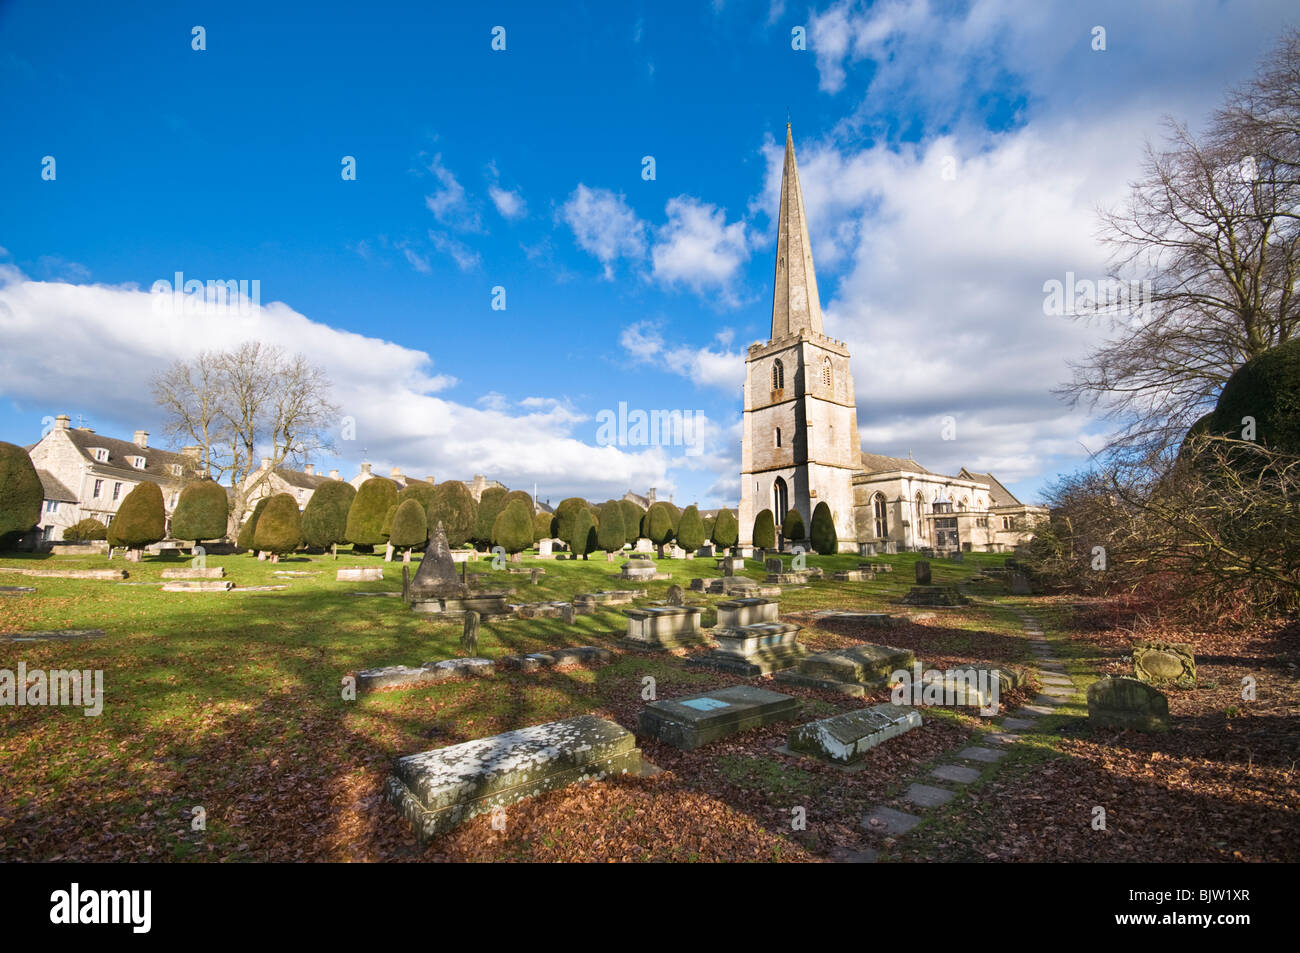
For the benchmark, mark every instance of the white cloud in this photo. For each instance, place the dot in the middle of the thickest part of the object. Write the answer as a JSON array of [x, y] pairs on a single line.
[[466, 258], [696, 247], [449, 203], [705, 366], [604, 226], [111, 342], [510, 205]]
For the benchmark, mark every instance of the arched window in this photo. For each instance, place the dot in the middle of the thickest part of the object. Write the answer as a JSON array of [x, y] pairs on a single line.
[[880, 510], [920, 516], [780, 499], [827, 379], [778, 375], [778, 436]]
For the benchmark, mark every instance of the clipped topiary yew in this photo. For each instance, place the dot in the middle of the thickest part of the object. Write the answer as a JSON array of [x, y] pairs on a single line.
[[726, 531], [543, 526], [690, 529], [582, 533], [279, 528], [513, 528], [659, 524], [202, 511], [765, 530], [453, 507], [611, 534], [410, 528], [366, 515], [86, 530], [824, 539], [21, 493], [325, 520], [1267, 391], [140, 520], [564, 516], [490, 504], [793, 529], [247, 531], [632, 515]]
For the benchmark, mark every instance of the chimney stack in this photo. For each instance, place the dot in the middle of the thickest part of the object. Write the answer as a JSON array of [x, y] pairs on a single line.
[[141, 439], [365, 468], [266, 463], [62, 422], [334, 474], [395, 472], [429, 478], [309, 469]]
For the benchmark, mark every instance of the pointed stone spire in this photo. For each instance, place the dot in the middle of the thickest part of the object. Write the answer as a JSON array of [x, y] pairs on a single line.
[[795, 304]]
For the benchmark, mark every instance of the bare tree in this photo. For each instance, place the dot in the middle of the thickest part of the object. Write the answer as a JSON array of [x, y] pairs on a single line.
[[1213, 223], [241, 405]]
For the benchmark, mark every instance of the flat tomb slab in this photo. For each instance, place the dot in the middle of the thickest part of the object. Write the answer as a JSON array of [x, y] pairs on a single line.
[[846, 738], [216, 572], [756, 649], [556, 658], [696, 720], [199, 585], [430, 673], [436, 790], [852, 670], [360, 574]]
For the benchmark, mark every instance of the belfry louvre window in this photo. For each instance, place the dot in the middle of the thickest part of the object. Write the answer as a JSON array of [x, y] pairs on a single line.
[[827, 378], [778, 376]]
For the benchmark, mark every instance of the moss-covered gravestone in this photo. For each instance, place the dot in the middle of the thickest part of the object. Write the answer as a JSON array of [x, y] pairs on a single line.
[[1165, 663], [923, 572], [1127, 703]]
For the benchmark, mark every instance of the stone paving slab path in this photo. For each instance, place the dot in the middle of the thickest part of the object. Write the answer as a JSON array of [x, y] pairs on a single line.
[[927, 795], [956, 773]]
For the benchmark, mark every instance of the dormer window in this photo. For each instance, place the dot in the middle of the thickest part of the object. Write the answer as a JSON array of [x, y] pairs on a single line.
[[177, 469], [138, 462], [101, 455]]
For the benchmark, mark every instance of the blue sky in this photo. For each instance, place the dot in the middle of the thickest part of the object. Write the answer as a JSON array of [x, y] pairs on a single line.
[[522, 169]]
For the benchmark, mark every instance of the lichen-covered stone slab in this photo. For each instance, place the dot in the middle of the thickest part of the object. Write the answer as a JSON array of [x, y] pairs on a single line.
[[215, 572], [846, 738], [696, 720], [935, 596], [1165, 663], [430, 673], [199, 585], [436, 790], [853, 575], [555, 658], [1127, 703], [853, 670], [53, 635]]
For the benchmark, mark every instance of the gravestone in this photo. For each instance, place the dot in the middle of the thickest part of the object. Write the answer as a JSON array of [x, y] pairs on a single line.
[[437, 588], [675, 596], [436, 790], [569, 613], [1127, 703], [735, 613], [1165, 663], [1019, 584], [846, 738], [922, 572], [216, 572], [360, 574], [730, 565], [544, 548], [853, 575], [587, 601], [469, 635], [933, 596], [638, 570], [661, 628], [758, 648], [773, 565], [855, 670], [696, 720]]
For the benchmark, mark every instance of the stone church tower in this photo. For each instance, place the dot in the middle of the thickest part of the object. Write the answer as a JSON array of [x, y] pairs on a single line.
[[800, 444]]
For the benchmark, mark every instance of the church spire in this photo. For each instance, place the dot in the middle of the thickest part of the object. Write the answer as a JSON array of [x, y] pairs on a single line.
[[795, 304]]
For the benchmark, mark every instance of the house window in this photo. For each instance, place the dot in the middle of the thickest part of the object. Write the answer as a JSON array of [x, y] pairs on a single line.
[[51, 506], [778, 436], [99, 485], [176, 469], [778, 375], [117, 490], [137, 462], [101, 454], [827, 379], [880, 510]]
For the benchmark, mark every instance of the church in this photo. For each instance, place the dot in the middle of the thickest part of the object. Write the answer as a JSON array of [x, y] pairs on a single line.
[[800, 444]]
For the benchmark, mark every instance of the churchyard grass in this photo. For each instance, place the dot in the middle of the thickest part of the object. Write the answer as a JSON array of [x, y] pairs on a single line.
[[232, 703]]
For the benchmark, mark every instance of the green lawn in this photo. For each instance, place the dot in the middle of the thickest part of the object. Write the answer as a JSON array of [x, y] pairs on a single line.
[[233, 702]]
